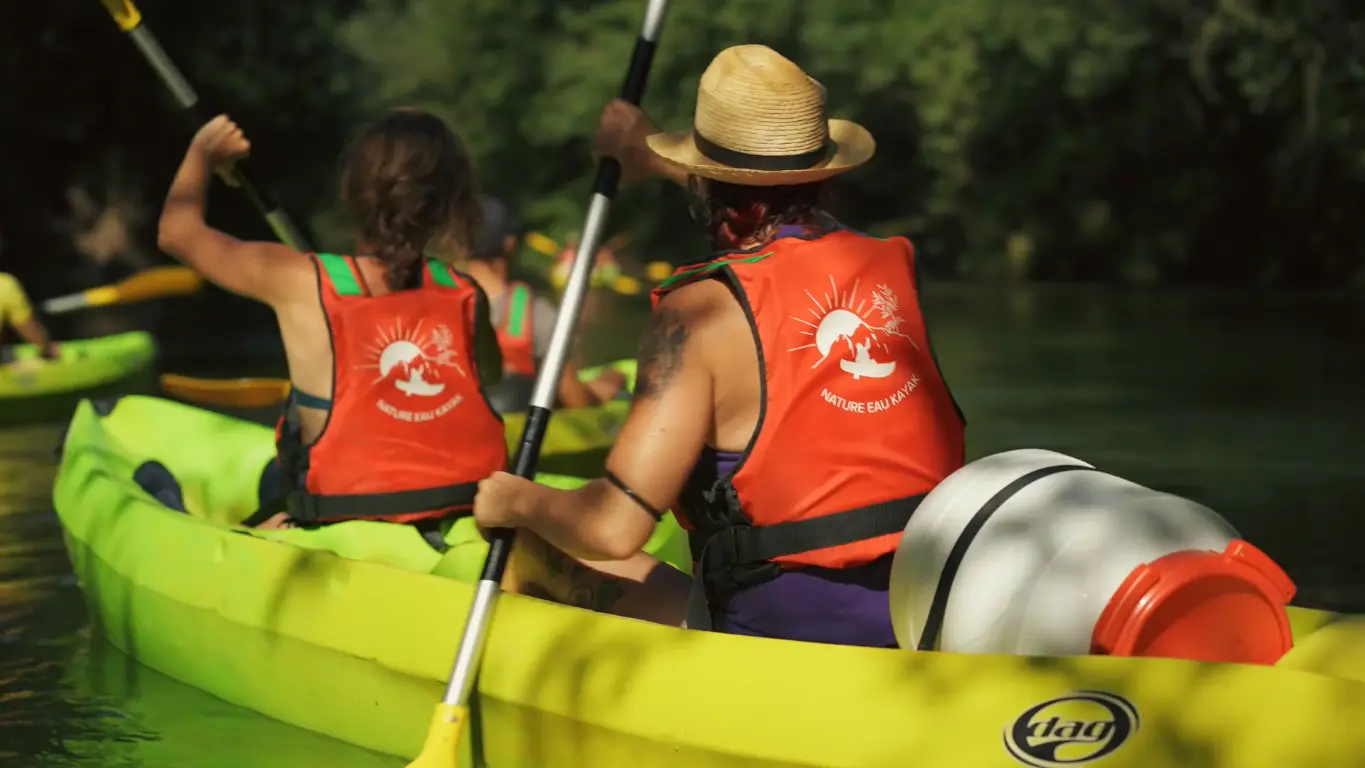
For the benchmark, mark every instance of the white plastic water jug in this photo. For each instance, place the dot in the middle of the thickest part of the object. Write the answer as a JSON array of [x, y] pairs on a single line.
[[1024, 549]]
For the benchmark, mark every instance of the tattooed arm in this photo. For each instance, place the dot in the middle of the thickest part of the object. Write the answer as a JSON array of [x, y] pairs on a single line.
[[600, 527], [660, 441], [639, 587]]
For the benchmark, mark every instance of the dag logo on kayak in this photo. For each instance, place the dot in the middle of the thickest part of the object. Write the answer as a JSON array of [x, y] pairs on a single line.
[[413, 362], [1078, 728]]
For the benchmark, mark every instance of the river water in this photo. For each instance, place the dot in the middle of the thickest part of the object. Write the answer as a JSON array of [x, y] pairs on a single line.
[[1250, 404]]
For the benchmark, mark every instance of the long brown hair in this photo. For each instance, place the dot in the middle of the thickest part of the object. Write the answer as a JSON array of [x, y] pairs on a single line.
[[409, 184], [734, 214]]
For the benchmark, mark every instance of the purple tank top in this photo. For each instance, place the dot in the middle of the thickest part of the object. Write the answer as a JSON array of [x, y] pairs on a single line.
[[819, 605]]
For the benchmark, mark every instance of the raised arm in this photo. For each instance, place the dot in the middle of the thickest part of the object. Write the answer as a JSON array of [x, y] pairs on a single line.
[[267, 272]]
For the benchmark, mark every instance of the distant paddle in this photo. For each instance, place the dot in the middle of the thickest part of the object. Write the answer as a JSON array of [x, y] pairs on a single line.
[[441, 749], [227, 393], [129, 19], [154, 283]]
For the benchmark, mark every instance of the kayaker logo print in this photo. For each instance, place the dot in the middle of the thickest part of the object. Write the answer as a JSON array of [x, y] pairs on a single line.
[[1075, 729], [863, 332], [415, 361]]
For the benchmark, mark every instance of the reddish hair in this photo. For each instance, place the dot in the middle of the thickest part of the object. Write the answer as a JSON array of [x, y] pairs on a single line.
[[738, 216]]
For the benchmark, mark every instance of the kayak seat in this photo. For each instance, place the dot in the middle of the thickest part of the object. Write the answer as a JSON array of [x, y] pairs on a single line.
[[270, 489], [269, 494], [105, 405], [160, 484]]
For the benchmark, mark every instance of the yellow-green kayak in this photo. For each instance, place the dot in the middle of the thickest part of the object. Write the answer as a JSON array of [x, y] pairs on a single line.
[[34, 389], [281, 624]]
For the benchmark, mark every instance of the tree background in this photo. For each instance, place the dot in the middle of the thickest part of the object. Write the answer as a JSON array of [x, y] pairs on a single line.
[[1136, 141]]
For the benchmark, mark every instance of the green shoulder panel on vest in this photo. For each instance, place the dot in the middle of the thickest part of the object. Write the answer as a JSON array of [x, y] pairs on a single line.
[[339, 272], [696, 272], [441, 274], [518, 309]]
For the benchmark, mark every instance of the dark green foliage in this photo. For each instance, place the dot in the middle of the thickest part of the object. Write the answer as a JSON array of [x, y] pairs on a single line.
[[1140, 141]]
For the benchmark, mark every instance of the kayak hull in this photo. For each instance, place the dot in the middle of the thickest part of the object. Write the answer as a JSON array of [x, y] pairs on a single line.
[[359, 650], [33, 389]]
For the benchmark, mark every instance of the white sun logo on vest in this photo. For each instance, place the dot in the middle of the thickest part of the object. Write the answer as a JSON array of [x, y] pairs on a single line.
[[413, 361], [862, 343]]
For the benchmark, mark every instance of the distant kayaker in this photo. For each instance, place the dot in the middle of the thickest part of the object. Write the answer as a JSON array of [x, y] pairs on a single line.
[[388, 351], [524, 321], [788, 406], [17, 313], [605, 270]]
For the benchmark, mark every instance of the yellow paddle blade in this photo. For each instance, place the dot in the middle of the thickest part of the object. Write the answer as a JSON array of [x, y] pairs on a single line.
[[658, 271], [126, 15], [157, 282], [541, 244], [441, 749], [153, 283], [626, 285], [227, 393]]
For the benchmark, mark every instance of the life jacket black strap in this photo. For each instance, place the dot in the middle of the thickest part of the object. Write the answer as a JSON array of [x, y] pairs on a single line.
[[738, 557], [311, 508]]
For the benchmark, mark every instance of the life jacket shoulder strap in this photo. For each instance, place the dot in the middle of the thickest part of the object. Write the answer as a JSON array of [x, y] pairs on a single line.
[[339, 273], [517, 316], [441, 274], [707, 269]]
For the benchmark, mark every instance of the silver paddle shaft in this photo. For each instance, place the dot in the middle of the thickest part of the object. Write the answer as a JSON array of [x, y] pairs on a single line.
[[470, 653]]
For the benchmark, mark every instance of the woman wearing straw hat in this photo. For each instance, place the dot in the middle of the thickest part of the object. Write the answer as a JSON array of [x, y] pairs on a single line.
[[789, 408]]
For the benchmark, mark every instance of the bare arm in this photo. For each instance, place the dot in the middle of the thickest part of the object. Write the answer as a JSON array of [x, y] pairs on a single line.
[[658, 445], [572, 392], [268, 272], [638, 587], [32, 331], [21, 317]]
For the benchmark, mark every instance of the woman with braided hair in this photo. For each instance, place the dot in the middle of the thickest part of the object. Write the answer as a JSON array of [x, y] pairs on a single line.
[[389, 349]]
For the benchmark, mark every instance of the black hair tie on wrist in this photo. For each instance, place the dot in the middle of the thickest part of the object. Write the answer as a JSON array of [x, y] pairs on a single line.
[[633, 496]]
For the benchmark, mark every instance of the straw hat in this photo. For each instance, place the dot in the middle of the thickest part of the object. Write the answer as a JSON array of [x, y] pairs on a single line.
[[761, 121]]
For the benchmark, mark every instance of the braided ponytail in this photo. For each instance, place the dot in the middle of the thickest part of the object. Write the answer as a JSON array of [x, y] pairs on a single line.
[[409, 184]]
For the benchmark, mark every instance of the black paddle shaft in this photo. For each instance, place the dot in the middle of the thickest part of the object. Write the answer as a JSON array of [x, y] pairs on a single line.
[[127, 18], [538, 418]]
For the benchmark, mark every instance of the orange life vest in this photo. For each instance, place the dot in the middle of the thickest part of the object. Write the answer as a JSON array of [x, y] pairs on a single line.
[[856, 425], [516, 332], [410, 433]]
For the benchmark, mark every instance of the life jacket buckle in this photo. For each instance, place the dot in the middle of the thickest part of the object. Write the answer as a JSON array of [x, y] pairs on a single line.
[[730, 562], [302, 506]]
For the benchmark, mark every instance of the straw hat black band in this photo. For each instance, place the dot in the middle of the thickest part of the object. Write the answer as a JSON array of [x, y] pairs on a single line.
[[736, 159]]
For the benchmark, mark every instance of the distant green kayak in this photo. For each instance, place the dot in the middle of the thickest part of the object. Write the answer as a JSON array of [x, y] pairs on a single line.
[[33, 389]]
